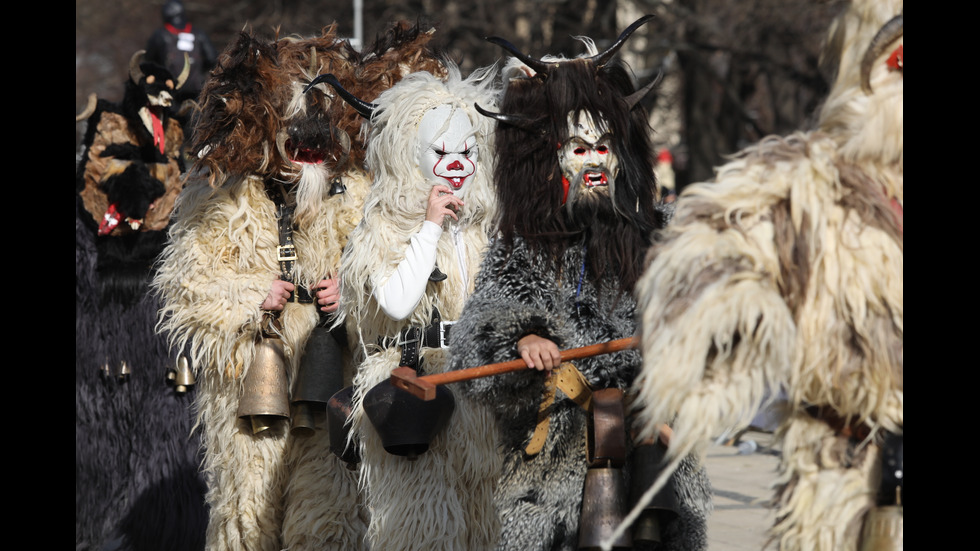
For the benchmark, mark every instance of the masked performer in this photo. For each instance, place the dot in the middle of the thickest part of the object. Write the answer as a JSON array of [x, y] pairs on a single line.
[[136, 455], [409, 267], [787, 270], [249, 285], [577, 200]]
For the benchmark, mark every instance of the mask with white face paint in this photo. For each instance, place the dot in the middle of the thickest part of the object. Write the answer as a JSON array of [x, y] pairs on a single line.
[[587, 159], [448, 150]]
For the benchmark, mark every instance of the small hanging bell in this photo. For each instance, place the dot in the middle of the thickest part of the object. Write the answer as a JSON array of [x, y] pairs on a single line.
[[182, 376]]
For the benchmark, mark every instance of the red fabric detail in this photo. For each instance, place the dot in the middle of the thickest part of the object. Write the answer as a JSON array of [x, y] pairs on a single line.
[[564, 187], [109, 220], [896, 61], [665, 157], [175, 31], [158, 138]]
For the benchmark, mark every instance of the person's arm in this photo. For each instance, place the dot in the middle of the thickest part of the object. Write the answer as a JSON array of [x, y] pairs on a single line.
[[403, 290], [399, 295]]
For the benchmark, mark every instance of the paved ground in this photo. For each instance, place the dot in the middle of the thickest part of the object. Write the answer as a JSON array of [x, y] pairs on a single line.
[[741, 484]]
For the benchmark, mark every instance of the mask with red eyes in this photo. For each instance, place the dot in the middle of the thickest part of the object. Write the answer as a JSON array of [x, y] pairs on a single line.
[[448, 152], [588, 162]]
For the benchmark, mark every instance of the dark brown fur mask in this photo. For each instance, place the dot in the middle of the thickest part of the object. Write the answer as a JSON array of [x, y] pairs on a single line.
[[400, 50], [528, 175], [257, 120]]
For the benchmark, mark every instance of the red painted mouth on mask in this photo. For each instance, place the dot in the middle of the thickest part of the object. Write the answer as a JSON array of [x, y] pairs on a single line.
[[595, 179], [305, 155], [456, 183]]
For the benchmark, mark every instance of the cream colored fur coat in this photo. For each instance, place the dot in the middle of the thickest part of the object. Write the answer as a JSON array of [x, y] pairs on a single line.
[[273, 490], [787, 271], [443, 499]]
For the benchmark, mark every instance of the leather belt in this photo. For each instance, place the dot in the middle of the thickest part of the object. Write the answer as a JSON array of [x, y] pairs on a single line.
[[413, 339]]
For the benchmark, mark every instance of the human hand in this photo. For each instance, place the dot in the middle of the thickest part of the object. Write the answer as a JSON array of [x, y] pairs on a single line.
[[328, 295], [278, 295], [442, 203], [538, 352]]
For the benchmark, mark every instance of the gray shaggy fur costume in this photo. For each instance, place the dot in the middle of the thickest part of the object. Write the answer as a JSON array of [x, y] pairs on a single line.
[[566, 275]]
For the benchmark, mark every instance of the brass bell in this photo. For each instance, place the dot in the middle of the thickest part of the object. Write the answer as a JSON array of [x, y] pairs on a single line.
[[647, 464], [603, 503], [182, 376], [265, 391], [124, 371], [320, 376], [883, 529]]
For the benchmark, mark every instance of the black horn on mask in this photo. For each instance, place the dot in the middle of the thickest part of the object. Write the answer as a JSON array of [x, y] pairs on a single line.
[[603, 58], [520, 121], [599, 60], [365, 109], [889, 32]]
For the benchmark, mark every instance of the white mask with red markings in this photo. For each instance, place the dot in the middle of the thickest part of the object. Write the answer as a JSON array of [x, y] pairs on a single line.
[[448, 150], [588, 162]]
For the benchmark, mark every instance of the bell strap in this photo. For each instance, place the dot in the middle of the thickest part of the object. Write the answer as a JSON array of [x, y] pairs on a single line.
[[286, 251], [571, 381]]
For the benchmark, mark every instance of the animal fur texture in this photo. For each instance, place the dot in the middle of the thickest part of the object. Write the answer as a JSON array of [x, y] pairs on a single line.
[[567, 278], [271, 490], [136, 453], [441, 499], [787, 271]]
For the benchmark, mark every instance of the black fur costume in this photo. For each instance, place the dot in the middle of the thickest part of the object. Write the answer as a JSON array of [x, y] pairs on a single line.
[[137, 457], [565, 275]]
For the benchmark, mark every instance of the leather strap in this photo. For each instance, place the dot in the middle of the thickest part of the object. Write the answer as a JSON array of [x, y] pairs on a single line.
[[571, 381]]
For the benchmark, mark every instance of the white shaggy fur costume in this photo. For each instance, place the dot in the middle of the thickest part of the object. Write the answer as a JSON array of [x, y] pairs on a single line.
[[441, 499], [270, 490], [787, 270]]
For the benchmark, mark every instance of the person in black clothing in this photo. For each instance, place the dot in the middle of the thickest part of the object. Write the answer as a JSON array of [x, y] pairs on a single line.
[[168, 44]]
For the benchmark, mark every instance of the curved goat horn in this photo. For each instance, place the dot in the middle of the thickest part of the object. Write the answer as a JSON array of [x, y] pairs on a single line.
[[635, 97], [520, 121], [135, 73], [363, 108], [185, 72], [889, 32], [89, 108], [603, 58], [536, 64]]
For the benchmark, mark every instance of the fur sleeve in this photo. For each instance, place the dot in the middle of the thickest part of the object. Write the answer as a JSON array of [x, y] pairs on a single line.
[[715, 330], [511, 300], [215, 273]]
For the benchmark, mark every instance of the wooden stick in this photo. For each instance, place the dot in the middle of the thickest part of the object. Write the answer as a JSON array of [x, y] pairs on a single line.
[[424, 387]]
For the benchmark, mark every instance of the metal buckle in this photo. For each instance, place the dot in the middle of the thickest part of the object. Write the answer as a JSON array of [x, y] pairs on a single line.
[[290, 253], [443, 326]]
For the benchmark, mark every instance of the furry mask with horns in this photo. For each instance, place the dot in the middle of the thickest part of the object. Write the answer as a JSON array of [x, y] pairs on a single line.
[[543, 102]]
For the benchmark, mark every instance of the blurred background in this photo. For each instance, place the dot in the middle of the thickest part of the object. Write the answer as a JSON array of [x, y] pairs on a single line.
[[734, 70]]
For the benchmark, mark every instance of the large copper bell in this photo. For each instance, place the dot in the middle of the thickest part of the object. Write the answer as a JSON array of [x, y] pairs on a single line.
[[603, 503], [265, 393], [321, 374], [407, 424], [339, 407], [647, 464]]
